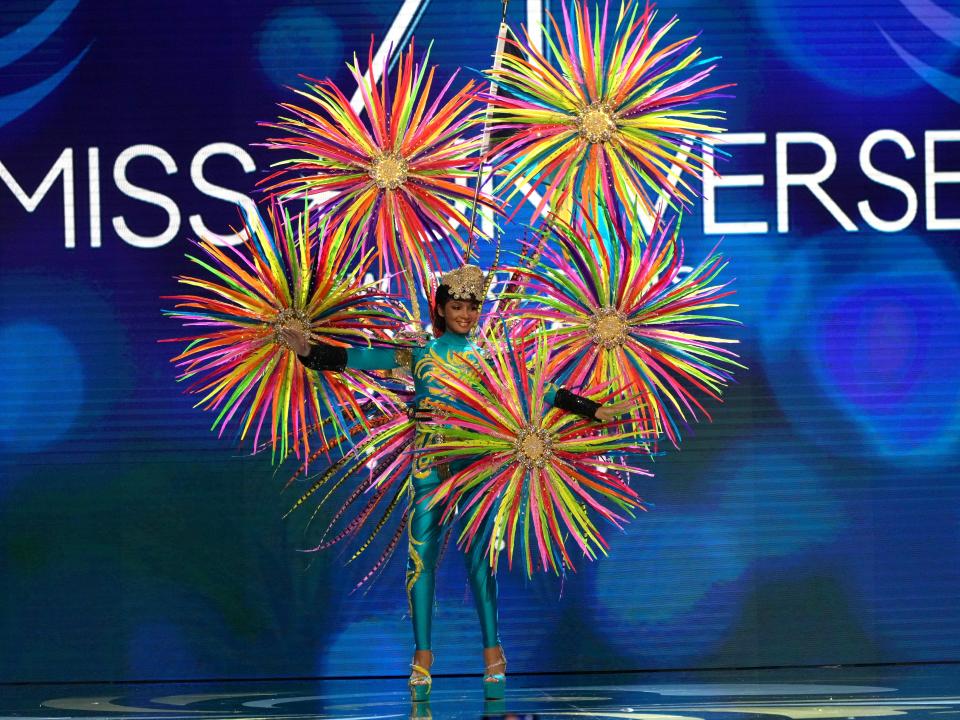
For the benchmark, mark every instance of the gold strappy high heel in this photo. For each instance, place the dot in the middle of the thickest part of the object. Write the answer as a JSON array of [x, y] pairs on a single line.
[[420, 682]]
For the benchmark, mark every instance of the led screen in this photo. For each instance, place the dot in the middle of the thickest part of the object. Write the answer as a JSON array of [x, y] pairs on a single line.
[[814, 519]]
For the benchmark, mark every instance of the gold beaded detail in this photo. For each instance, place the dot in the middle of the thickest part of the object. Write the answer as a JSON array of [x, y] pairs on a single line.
[[403, 358], [608, 327], [388, 170], [596, 123], [466, 283], [290, 318], [533, 447]]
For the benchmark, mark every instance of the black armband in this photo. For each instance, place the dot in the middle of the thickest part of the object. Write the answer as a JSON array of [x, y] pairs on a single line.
[[325, 357], [571, 402]]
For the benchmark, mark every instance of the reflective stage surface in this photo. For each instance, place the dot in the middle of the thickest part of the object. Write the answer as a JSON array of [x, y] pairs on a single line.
[[906, 691]]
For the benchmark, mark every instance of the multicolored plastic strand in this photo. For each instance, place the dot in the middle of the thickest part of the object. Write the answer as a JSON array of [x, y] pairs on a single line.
[[612, 115], [620, 308], [285, 275], [391, 174], [538, 473]]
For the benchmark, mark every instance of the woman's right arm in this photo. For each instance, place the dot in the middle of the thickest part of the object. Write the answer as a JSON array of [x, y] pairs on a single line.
[[331, 357]]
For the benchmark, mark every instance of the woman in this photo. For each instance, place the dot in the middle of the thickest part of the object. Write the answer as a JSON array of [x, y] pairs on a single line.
[[456, 311]]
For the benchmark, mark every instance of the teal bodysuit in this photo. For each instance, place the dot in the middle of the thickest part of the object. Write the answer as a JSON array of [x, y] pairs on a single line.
[[425, 524]]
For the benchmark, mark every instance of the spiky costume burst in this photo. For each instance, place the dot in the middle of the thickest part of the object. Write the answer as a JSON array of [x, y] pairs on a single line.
[[372, 478], [286, 275], [620, 310], [614, 119], [390, 176], [539, 472], [612, 123]]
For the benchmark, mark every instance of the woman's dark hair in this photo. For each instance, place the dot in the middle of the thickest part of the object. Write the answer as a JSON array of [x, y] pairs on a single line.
[[441, 298]]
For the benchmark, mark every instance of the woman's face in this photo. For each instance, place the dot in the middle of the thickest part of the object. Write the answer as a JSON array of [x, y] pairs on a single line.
[[461, 315]]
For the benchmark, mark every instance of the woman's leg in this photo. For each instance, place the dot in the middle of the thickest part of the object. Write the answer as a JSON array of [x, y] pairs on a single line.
[[483, 582], [424, 546]]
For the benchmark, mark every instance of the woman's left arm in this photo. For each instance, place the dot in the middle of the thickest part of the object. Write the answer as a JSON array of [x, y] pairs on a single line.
[[571, 402]]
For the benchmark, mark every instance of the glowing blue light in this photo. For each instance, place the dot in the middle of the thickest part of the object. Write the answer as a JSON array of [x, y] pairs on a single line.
[[672, 594], [842, 45], [22, 42], [34, 33], [299, 40], [382, 645], [766, 488], [41, 386], [871, 367], [885, 354], [684, 573], [380, 642], [16, 104]]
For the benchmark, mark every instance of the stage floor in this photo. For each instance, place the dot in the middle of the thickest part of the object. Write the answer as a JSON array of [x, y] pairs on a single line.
[[906, 691]]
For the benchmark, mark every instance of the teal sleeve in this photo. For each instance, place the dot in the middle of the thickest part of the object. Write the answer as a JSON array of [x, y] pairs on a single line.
[[371, 358], [551, 394]]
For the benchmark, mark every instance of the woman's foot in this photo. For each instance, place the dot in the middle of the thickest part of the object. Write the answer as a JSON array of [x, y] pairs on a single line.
[[420, 681], [495, 676]]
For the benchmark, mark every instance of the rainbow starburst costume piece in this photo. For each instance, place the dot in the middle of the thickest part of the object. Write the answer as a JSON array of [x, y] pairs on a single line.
[[286, 275], [393, 176], [620, 311], [603, 131], [541, 470], [613, 119]]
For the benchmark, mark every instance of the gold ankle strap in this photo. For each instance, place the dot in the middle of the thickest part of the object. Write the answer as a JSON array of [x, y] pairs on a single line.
[[425, 672], [421, 670]]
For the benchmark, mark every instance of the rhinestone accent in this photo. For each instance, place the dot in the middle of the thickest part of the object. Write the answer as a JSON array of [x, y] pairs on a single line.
[[609, 327], [533, 447], [290, 318], [596, 122], [388, 170], [466, 283]]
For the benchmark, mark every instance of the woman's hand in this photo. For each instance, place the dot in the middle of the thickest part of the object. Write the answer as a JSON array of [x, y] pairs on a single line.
[[296, 339], [606, 413]]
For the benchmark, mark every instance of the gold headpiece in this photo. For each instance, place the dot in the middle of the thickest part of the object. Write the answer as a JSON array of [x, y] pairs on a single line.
[[466, 283]]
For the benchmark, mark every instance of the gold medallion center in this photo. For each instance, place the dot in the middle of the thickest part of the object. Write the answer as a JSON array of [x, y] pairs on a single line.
[[596, 123], [534, 447], [388, 170], [609, 327], [290, 318]]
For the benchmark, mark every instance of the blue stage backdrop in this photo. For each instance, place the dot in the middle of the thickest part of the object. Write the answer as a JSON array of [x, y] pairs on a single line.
[[815, 520]]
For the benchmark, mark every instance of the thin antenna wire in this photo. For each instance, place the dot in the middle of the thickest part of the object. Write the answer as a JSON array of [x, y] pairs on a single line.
[[485, 142]]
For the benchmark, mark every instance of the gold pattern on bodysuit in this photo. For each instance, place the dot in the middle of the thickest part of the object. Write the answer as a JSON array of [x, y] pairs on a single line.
[[428, 433], [416, 562], [403, 357]]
